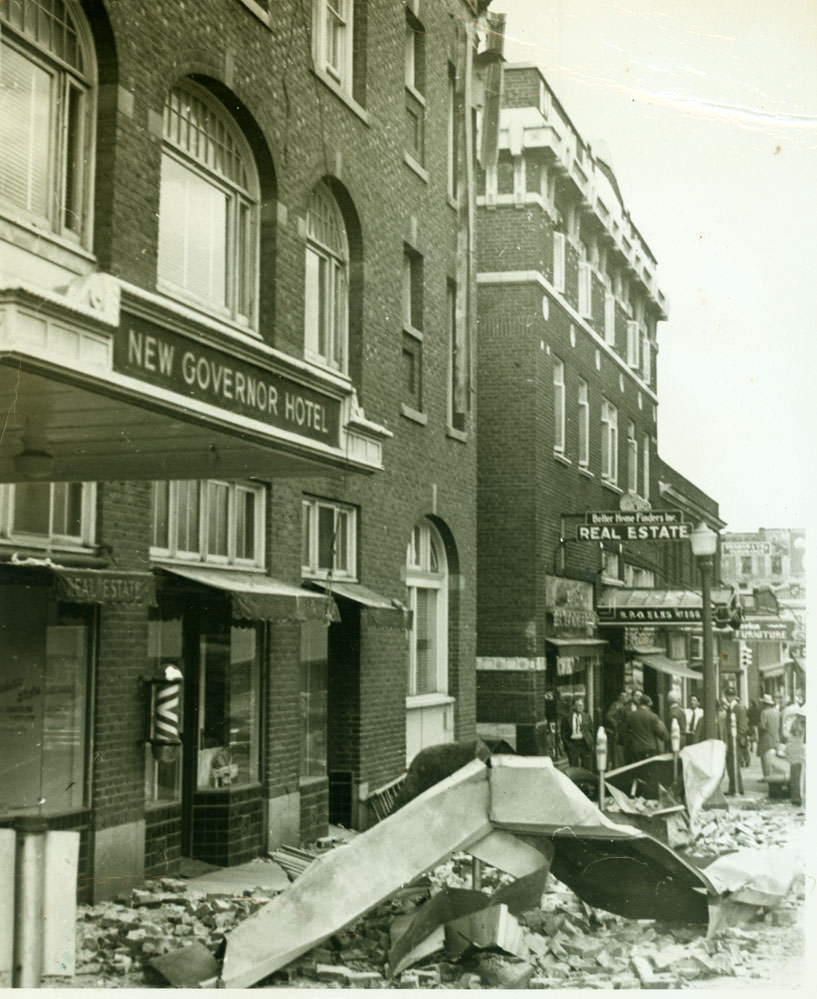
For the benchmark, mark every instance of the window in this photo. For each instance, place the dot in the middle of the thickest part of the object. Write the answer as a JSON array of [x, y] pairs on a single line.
[[332, 41], [328, 540], [610, 318], [637, 577], [633, 338], [777, 565], [314, 695], [609, 442], [452, 134], [559, 261], [53, 513], [44, 703], [584, 424], [746, 565], [585, 289], [457, 363], [47, 75], [610, 564], [646, 447], [696, 647], [414, 59], [210, 521], [632, 458], [646, 357], [558, 406], [427, 582], [326, 314], [229, 704], [208, 207]]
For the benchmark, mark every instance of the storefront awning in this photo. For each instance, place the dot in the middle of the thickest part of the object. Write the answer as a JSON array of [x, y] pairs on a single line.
[[773, 669], [670, 666], [360, 594], [619, 605], [261, 598], [577, 646]]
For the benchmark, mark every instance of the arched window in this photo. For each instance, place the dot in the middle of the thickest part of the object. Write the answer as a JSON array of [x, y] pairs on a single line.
[[427, 582], [47, 78], [208, 208], [326, 297]]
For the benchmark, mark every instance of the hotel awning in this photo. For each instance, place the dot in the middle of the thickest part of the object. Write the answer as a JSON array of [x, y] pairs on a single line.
[[261, 598], [577, 646], [664, 664], [359, 593]]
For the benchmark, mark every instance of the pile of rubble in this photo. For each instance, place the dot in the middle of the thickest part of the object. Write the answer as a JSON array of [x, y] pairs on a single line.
[[721, 831]]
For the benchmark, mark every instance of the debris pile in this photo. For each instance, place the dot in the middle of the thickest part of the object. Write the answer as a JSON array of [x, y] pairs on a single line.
[[722, 831]]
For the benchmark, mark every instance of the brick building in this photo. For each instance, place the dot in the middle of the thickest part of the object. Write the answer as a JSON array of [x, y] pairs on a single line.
[[567, 429], [236, 363]]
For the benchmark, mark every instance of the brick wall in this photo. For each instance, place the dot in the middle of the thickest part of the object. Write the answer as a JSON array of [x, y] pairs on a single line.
[[163, 841]]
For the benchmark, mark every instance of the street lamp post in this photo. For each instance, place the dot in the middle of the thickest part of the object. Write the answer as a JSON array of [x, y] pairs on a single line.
[[704, 543]]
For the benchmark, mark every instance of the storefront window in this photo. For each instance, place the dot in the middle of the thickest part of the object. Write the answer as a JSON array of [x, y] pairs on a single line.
[[229, 681], [43, 702], [313, 699], [163, 781]]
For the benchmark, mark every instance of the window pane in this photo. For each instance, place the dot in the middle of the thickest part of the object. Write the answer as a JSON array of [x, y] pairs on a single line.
[[306, 520], [426, 646], [314, 697], [326, 532], [245, 524], [67, 509], [218, 495], [72, 207], [161, 497], [187, 516], [32, 504], [26, 148], [342, 542], [312, 302]]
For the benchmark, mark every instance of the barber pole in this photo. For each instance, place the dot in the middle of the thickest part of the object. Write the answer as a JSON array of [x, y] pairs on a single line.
[[165, 737]]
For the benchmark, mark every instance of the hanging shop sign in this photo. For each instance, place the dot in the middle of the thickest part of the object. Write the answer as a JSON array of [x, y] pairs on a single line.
[[195, 370], [649, 615], [570, 601], [745, 548], [635, 525]]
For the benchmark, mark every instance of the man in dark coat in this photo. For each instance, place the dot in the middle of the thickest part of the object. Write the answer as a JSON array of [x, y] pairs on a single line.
[[647, 733], [577, 735], [695, 720], [676, 712], [735, 744]]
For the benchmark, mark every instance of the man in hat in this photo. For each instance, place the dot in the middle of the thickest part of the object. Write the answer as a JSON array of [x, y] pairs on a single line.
[[737, 735], [768, 733], [577, 735]]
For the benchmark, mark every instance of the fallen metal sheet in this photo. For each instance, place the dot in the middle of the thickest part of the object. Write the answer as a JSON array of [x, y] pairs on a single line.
[[703, 764], [509, 853], [633, 876], [756, 877], [343, 884], [491, 926], [646, 776]]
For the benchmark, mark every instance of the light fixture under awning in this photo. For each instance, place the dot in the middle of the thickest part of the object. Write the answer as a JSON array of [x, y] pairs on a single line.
[[577, 646], [671, 666], [261, 598], [360, 594]]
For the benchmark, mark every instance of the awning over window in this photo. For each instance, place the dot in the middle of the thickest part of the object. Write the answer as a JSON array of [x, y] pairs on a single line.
[[773, 669], [577, 646], [261, 598], [670, 666], [360, 594]]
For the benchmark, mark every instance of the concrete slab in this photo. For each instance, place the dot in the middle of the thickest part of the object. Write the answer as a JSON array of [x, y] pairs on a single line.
[[263, 874], [187, 967]]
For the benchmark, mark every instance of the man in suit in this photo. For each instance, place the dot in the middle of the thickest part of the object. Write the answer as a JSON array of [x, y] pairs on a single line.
[[577, 735], [677, 713], [695, 720], [736, 718], [647, 732]]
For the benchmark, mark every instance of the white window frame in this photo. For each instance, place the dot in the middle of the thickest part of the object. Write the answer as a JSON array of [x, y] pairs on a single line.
[[49, 539], [342, 514], [610, 564], [333, 263], [334, 18], [646, 357], [584, 424], [71, 124], [646, 449], [559, 405], [609, 442], [633, 341], [451, 132], [559, 244], [237, 182], [202, 554], [632, 458], [420, 574]]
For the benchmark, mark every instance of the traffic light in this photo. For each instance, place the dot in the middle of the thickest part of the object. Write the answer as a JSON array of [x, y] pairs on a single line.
[[745, 655]]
